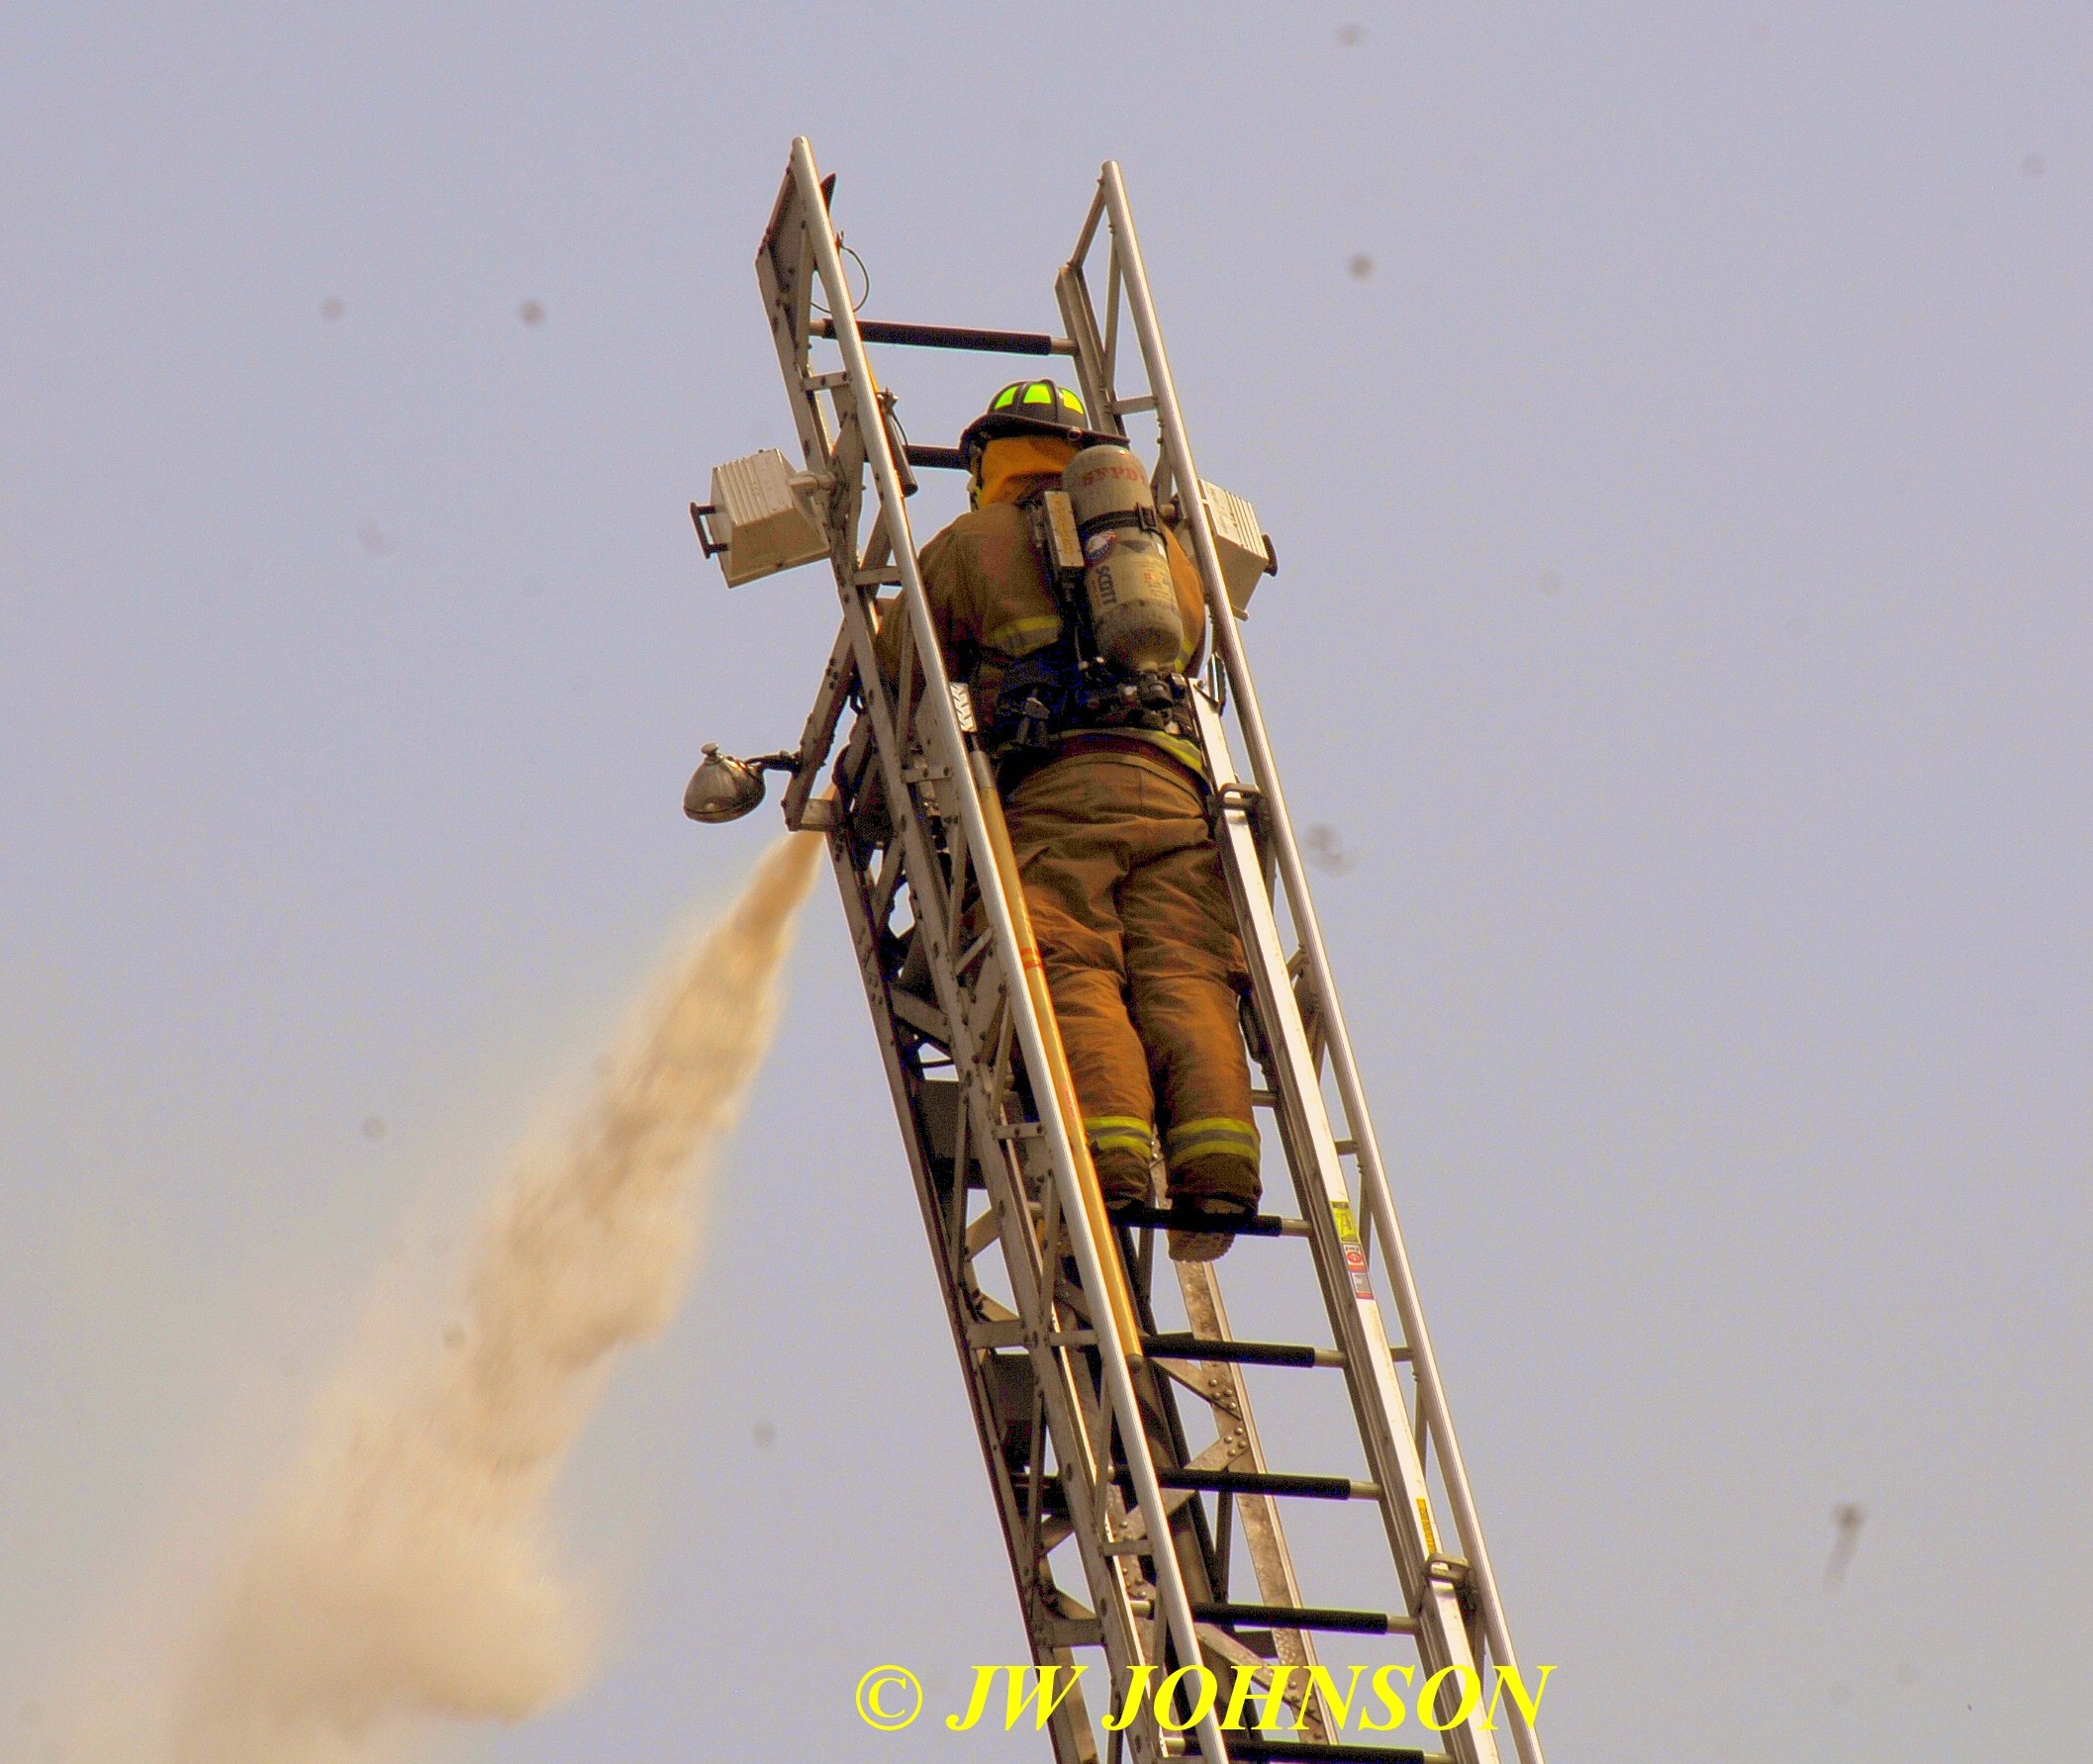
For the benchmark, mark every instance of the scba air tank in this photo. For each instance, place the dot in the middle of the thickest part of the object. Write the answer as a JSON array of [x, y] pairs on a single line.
[[1133, 601]]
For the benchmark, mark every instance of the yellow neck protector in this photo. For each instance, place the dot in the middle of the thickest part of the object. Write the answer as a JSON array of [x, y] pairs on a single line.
[[1007, 466]]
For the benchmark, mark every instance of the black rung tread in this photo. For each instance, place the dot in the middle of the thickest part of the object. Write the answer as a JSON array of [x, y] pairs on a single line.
[[1302, 1616], [1254, 1482], [1239, 1353], [948, 459], [1248, 1747], [1231, 1225], [1258, 1482], [946, 336]]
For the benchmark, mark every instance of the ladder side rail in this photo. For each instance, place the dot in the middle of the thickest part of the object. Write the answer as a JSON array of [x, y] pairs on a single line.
[[935, 914], [1065, 1403], [1264, 1533], [1091, 219], [1070, 1732], [1066, 1315], [892, 742], [1431, 1392], [1075, 1410], [818, 736], [785, 301], [1429, 1588], [1078, 1415], [1080, 320], [931, 902], [965, 790], [1112, 333], [1067, 1399]]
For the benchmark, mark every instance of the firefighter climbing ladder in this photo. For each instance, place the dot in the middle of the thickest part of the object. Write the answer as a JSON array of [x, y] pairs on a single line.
[[1103, 1501]]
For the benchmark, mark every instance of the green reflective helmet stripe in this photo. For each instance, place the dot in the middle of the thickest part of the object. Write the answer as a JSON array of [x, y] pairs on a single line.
[[1035, 392]]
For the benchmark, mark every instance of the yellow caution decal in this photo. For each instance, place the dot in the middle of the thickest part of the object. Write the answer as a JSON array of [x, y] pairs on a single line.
[[1355, 1251]]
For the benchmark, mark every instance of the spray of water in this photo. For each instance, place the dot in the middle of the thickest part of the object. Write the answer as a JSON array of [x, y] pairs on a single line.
[[404, 1568]]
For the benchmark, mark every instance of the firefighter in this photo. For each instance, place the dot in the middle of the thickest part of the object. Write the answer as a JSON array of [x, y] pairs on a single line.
[[1105, 791]]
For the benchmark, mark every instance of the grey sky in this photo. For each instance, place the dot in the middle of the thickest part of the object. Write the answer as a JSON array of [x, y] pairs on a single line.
[[1683, 621]]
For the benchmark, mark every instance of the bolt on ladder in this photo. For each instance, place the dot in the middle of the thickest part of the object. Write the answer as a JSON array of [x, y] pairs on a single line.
[[1076, 1388]]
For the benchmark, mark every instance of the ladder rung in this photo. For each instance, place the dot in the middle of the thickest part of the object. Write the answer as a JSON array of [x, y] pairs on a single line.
[[952, 336], [949, 459], [1308, 1616], [1267, 1482], [1240, 1225], [1247, 1748], [1240, 1353]]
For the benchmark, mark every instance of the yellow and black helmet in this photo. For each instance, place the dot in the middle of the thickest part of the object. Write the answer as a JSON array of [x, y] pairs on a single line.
[[1030, 408]]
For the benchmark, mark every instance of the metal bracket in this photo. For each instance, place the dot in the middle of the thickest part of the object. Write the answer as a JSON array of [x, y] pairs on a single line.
[[1235, 794]]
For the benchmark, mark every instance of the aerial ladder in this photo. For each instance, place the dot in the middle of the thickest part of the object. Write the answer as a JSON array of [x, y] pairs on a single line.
[[1130, 1477]]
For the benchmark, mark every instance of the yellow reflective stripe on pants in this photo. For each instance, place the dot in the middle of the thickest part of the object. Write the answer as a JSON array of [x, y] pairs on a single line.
[[1219, 1133], [1120, 1133]]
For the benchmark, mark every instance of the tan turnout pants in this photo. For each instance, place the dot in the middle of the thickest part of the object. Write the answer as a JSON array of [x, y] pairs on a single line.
[[1124, 887]]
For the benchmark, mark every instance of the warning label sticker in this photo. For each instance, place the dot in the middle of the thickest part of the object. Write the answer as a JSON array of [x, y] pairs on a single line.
[[1355, 1251]]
